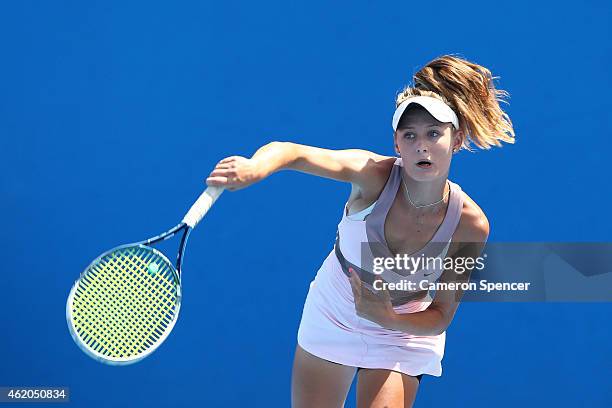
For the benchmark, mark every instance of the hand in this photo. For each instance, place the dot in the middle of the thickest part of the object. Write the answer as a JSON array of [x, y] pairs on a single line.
[[374, 306], [236, 172]]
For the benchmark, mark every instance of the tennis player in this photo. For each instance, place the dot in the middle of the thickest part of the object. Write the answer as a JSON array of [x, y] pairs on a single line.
[[353, 320]]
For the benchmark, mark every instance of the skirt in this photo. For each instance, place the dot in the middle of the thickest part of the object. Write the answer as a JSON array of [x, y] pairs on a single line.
[[330, 329]]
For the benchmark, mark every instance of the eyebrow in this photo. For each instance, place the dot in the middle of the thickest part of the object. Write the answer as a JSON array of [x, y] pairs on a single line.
[[411, 127]]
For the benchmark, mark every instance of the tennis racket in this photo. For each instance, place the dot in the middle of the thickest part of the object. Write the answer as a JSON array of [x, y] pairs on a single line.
[[126, 302]]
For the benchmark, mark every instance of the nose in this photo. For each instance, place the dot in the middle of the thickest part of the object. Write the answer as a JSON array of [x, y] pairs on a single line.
[[421, 149]]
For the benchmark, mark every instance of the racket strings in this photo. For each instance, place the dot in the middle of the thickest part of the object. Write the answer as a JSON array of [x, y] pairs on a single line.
[[120, 309], [127, 320], [121, 320]]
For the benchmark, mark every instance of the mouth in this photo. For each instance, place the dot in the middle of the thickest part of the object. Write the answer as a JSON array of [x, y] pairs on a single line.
[[424, 164]]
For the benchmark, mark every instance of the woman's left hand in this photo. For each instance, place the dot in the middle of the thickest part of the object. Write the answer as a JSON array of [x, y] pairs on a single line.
[[374, 306]]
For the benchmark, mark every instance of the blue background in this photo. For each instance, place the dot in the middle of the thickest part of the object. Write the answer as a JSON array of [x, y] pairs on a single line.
[[113, 113]]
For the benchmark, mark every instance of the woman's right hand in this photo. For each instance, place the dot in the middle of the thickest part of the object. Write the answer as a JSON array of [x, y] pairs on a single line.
[[236, 172]]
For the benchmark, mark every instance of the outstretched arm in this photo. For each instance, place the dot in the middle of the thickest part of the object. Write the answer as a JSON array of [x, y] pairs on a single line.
[[355, 166]]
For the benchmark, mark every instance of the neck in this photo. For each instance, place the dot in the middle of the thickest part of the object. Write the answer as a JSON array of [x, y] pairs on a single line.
[[426, 192]]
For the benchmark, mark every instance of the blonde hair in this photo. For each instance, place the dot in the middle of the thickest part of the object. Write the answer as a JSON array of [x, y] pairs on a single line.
[[468, 89]]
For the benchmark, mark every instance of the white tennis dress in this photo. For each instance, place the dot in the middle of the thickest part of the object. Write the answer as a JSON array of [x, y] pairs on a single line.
[[330, 327]]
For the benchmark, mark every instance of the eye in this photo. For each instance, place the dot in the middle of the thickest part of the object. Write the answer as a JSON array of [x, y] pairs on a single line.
[[409, 135], [434, 133]]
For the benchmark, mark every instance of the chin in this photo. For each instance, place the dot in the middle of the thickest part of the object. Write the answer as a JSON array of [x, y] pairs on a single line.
[[423, 178], [424, 175]]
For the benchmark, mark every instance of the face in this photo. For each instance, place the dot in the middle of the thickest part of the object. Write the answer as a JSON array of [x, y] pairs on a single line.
[[420, 137]]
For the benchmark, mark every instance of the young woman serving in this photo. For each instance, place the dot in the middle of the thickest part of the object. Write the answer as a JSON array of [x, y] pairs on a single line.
[[385, 323]]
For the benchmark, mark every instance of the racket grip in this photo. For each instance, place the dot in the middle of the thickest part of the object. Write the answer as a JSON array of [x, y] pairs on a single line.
[[202, 205]]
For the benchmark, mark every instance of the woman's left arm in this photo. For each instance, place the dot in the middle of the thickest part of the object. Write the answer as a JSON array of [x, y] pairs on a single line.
[[437, 317]]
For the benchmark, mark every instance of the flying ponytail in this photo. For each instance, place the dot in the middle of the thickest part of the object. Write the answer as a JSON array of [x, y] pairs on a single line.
[[468, 89]]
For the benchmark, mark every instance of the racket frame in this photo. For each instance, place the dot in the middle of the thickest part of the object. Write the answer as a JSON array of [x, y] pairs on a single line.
[[169, 234], [190, 220], [176, 271]]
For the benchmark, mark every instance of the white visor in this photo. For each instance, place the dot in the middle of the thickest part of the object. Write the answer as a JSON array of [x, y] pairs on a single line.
[[438, 109]]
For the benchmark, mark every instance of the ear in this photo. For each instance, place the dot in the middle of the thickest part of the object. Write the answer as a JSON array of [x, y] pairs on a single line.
[[458, 137], [395, 145]]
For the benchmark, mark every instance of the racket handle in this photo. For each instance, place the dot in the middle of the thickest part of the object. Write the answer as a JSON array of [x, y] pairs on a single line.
[[202, 205]]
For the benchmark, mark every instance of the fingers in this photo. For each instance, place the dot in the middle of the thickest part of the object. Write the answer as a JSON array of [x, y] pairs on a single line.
[[222, 177], [218, 181], [363, 293], [229, 159], [356, 288], [228, 173], [382, 292], [230, 162], [226, 165], [374, 305], [225, 174], [360, 290], [384, 295], [355, 284]]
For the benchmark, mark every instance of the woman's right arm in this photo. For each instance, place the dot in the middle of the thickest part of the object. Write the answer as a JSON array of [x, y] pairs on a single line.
[[359, 167]]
